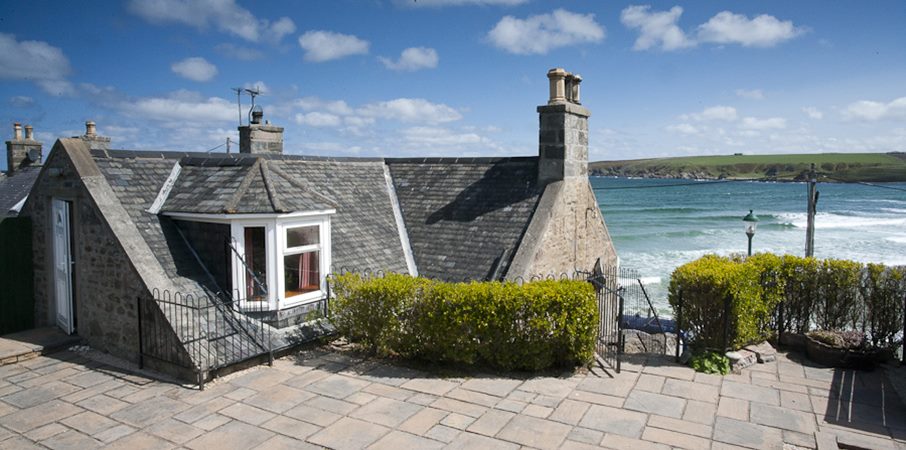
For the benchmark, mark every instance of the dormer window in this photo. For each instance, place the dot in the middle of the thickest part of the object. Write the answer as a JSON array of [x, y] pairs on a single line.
[[277, 261]]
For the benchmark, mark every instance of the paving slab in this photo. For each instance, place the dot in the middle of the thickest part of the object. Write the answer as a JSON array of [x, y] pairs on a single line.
[[397, 440], [423, 420], [341, 436], [232, 435], [746, 434], [750, 392], [40, 415], [386, 411], [71, 439], [617, 442], [534, 432], [784, 418], [468, 441], [675, 439], [655, 404], [290, 427], [491, 422], [614, 420]]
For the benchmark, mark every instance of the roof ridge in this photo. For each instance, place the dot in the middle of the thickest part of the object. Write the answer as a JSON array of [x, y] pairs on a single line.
[[269, 187], [233, 202]]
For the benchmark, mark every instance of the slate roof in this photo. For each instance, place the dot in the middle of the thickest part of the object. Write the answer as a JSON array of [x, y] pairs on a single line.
[[364, 229], [15, 187], [240, 185], [465, 217]]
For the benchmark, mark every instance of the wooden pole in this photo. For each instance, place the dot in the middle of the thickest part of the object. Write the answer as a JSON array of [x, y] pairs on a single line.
[[812, 200]]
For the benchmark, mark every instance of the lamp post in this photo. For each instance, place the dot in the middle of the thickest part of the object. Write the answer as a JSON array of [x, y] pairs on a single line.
[[750, 221]]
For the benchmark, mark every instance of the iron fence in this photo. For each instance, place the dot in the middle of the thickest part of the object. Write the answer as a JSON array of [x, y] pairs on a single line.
[[201, 332]]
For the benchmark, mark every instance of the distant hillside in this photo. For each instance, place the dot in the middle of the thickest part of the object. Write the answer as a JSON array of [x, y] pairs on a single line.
[[844, 166]]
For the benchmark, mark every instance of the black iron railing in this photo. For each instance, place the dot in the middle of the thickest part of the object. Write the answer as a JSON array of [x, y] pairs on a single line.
[[200, 332]]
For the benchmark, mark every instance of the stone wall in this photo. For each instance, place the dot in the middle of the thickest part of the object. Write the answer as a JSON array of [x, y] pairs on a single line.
[[106, 285], [575, 236]]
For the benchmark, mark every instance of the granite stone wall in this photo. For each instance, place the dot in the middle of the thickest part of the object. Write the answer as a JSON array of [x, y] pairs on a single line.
[[575, 236], [106, 286]]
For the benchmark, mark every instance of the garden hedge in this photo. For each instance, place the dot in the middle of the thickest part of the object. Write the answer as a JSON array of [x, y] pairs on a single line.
[[828, 294], [503, 325]]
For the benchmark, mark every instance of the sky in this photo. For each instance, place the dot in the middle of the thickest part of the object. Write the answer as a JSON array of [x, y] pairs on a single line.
[[402, 78]]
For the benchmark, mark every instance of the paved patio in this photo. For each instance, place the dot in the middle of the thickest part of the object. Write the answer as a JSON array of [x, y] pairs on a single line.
[[326, 399]]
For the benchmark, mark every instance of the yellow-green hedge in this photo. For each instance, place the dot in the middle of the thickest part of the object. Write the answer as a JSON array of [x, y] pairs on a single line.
[[828, 294], [504, 325]]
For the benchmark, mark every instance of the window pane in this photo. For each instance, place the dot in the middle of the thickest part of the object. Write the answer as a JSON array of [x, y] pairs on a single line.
[[256, 260], [301, 273], [299, 236]]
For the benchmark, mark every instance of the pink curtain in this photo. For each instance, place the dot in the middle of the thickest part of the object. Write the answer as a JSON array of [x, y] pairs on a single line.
[[304, 270]]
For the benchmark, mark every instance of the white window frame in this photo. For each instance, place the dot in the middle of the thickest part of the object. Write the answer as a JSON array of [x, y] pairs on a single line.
[[275, 226], [323, 247]]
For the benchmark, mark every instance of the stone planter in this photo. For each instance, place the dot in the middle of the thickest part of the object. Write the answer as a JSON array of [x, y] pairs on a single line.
[[794, 341], [826, 355]]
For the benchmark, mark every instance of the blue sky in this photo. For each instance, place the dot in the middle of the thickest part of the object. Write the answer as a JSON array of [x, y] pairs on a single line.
[[461, 77]]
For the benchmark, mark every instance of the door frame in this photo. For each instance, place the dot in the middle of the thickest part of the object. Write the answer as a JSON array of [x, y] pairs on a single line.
[[64, 321]]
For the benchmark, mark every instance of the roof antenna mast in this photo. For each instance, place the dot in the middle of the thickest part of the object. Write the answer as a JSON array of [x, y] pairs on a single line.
[[238, 92], [252, 93]]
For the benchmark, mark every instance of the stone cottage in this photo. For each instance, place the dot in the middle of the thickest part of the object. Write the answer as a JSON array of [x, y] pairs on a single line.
[[261, 230]]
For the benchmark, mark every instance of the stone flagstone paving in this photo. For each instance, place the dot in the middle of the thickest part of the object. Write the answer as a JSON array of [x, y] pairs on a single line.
[[318, 399]]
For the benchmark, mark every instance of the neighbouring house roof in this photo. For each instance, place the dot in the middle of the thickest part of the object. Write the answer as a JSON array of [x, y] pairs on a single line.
[[466, 217], [14, 188]]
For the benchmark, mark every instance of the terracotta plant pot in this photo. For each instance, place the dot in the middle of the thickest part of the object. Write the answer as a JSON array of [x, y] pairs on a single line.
[[826, 355]]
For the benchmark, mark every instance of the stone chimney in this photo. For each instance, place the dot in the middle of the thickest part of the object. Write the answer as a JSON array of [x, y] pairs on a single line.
[[94, 140], [260, 138], [563, 133], [22, 152]]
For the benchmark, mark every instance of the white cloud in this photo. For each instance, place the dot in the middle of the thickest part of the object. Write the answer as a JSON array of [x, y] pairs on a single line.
[[762, 31], [683, 128], [542, 33], [36, 61], [439, 137], [722, 113], [771, 123], [21, 101], [239, 52], [323, 46], [225, 15], [411, 110], [180, 108], [753, 94], [813, 113], [441, 3], [660, 29], [195, 69], [318, 119], [412, 59], [282, 27], [338, 107], [868, 110], [261, 86], [655, 28]]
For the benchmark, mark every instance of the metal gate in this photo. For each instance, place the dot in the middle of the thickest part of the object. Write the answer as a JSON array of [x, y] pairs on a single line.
[[609, 345]]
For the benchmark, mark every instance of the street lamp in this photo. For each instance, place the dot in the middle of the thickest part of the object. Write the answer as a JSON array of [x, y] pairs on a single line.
[[750, 221]]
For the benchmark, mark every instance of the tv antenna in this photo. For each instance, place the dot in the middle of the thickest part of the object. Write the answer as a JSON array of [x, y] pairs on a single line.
[[252, 93]]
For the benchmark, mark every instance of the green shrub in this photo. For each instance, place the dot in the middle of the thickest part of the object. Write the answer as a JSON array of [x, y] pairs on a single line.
[[706, 285], [826, 294], [710, 362], [504, 325]]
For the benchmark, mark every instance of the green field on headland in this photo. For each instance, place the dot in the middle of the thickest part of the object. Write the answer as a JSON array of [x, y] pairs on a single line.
[[841, 166]]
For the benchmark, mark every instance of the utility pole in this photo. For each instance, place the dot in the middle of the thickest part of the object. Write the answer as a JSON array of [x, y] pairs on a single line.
[[812, 207]]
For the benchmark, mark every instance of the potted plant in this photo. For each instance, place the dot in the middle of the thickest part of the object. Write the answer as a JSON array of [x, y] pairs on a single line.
[[838, 348]]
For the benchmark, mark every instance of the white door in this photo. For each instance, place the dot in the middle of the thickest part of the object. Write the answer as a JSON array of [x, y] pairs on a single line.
[[62, 260]]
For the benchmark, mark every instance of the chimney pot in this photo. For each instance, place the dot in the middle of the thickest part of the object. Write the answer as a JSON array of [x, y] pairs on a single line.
[[557, 85], [29, 133], [17, 131], [577, 80], [90, 128]]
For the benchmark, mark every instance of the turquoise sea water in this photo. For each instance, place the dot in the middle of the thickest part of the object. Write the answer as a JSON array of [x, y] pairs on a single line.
[[657, 229]]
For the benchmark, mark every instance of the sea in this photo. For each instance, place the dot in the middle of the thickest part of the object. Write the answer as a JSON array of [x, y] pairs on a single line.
[[659, 224]]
